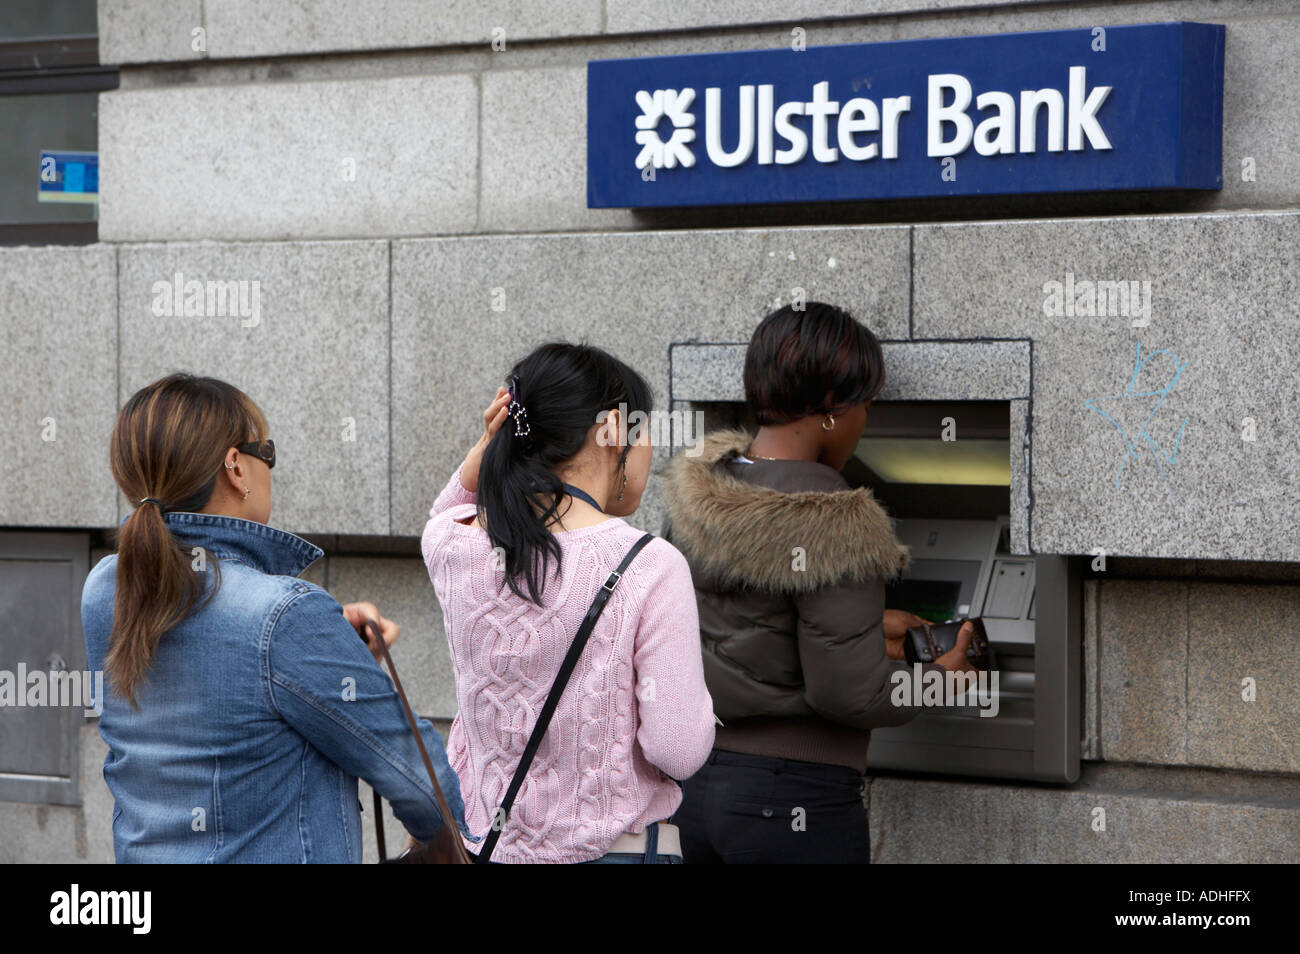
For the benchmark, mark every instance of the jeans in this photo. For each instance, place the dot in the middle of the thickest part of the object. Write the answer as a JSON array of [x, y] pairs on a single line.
[[651, 856], [753, 809]]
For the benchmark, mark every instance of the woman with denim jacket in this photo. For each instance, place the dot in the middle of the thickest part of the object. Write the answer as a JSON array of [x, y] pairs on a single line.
[[243, 704], [518, 544]]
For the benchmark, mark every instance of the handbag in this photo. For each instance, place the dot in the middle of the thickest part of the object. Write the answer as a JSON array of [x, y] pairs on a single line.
[[925, 644], [436, 852], [445, 848]]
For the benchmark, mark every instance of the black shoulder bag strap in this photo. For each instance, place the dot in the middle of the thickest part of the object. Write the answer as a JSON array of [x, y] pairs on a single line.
[[553, 697]]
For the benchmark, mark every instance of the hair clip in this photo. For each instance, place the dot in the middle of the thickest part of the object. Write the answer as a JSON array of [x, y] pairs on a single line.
[[517, 410]]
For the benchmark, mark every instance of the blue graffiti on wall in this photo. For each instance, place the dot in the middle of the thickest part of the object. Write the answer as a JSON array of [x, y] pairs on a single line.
[[1133, 397]]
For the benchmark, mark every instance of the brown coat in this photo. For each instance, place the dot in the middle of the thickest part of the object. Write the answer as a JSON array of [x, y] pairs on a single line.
[[789, 566]]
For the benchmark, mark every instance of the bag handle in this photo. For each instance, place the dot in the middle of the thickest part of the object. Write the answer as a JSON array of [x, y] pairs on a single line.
[[372, 627], [553, 697]]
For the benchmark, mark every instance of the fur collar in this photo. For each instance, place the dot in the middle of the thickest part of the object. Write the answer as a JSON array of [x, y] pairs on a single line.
[[742, 534]]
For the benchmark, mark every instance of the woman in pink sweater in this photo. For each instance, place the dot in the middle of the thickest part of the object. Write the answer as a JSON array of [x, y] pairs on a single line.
[[517, 545]]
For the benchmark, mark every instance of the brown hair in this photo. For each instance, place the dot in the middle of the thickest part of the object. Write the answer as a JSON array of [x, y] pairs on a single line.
[[168, 444]]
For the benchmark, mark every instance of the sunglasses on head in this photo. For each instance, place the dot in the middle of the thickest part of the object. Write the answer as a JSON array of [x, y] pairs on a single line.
[[262, 450]]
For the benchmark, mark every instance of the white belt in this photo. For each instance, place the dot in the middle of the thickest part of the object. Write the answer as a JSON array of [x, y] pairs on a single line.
[[670, 842]]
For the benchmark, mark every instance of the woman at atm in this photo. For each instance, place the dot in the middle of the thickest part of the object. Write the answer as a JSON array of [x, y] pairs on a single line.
[[789, 566]]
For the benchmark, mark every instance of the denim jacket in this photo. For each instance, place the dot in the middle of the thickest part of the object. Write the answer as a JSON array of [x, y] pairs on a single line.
[[261, 711]]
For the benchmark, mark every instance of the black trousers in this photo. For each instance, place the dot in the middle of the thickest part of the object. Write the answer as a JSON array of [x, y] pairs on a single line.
[[752, 809]]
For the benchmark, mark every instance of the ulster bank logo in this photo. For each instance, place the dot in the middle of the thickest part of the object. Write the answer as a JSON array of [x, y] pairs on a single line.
[[665, 107]]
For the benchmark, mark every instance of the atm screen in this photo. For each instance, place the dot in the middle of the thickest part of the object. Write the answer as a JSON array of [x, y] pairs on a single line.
[[935, 589], [935, 600]]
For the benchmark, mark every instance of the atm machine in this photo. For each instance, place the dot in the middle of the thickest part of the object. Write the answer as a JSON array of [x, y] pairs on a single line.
[[950, 500]]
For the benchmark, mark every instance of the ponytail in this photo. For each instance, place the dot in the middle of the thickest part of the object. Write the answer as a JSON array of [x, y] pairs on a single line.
[[564, 389], [168, 445]]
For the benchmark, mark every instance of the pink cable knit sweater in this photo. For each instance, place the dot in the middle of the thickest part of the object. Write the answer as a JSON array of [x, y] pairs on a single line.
[[635, 714]]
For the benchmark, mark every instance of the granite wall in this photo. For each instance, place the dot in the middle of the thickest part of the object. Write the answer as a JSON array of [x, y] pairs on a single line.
[[381, 211]]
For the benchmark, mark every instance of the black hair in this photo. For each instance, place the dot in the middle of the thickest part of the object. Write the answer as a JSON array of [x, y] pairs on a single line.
[[798, 357], [563, 389]]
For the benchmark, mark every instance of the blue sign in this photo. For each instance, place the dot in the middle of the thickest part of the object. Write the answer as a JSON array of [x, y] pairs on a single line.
[[1087, 110], [69, 177]]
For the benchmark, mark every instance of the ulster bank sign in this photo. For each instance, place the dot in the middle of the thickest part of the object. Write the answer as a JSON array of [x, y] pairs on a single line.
[[1087, 110]]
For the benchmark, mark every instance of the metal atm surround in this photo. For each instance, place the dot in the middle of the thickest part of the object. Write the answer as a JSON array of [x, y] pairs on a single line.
[[1031, 606]]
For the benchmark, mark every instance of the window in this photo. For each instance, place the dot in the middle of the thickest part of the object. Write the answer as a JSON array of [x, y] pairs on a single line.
[[50, 80]]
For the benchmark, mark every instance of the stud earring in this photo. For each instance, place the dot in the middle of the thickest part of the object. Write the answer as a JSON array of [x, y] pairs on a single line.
[[831, 426]]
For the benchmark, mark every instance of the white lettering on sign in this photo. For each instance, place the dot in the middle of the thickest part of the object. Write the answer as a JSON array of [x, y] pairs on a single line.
[[860, 130], [996, 133], [760, 125]]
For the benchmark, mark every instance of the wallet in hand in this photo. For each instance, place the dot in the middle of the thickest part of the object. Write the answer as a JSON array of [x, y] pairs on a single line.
[[927, 643]]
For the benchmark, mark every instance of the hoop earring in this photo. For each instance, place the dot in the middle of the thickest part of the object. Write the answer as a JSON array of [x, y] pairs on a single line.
[[831, 418]]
